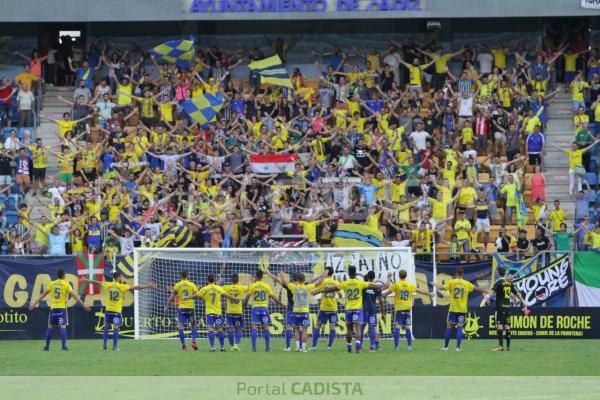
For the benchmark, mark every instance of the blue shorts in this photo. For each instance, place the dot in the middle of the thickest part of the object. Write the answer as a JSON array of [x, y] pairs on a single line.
[[570, 76], [260, 315], [403, 318], [354, 316], [289, 318], [327, 316], [235, 320], [114, 318], [214, 320], [301, 319], [186, 316], [58, 316], [370, 318], [456, 317]]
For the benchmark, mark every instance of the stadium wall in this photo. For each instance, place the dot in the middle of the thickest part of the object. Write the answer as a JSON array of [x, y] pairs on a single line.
[[190, 10]]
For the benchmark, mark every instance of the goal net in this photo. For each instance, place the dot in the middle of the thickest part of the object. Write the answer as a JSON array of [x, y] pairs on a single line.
[[163, 266]]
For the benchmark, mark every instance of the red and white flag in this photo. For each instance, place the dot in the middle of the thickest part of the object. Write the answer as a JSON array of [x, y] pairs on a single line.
[[273, 163]]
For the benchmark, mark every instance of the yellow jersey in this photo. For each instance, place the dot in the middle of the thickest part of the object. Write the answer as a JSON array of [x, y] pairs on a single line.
[[462, 228], [185, 288], [557, 217], [301, 294], [259, 294], [59, 290], [39, 157], [415, 74], [211, 294], [238, 292], [459, 294], [499, 57], [89, 159], [403, 295], [309, 228], [115, 293], [441, 62], [575, 158], [353, 289], [577, 88], [65, 126], [65, 162], [329, 300]]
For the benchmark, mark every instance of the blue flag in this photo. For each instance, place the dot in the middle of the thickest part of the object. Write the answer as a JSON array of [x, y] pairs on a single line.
[[179, 52], [204, 108]]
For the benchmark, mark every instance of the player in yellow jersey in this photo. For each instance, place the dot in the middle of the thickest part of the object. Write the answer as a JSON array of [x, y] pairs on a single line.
[[211, 295], [328, 310], [403, 291], [260, 293], [300, 296], [185, 308], [115, 293], [233, 312], [353, 288], [59, 290], [459, 299]]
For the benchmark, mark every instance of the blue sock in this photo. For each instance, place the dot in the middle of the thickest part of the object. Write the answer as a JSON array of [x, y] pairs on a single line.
[[447, 336], [181, 337], [267, 338], [409, 337], [357, 344], [300, 339], [105, 335], [238, 337], [458, 336], [315, 338], [396, 337], [63, 337], [221, 335], [115, 337], [288, 338], [372, 337], [211, 339], [48, 336], [194, 333], [349, 346], [331, 337], [230, 337], [253, 337]]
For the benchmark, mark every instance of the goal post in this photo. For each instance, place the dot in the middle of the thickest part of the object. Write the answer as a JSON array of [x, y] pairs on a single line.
[[163, 266]]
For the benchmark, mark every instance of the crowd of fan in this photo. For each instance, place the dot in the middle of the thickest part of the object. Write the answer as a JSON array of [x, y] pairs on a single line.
[[394, 141]]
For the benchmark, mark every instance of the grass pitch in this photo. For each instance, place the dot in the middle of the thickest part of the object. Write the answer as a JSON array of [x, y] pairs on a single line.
[[164, 358]]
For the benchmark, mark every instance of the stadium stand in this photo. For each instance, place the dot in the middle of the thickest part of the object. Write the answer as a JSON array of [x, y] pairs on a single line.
[[457, 151]]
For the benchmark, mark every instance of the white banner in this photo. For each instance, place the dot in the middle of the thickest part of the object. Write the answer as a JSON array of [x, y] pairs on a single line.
[[595, 4], [380, 262]]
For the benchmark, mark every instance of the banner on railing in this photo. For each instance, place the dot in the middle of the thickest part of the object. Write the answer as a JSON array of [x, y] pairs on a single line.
[[25, 278], [543, 284]]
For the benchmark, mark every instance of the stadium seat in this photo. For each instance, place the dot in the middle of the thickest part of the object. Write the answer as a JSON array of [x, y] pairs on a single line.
[[591, 178], [22, 133], [6, 133], [12, 217]]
